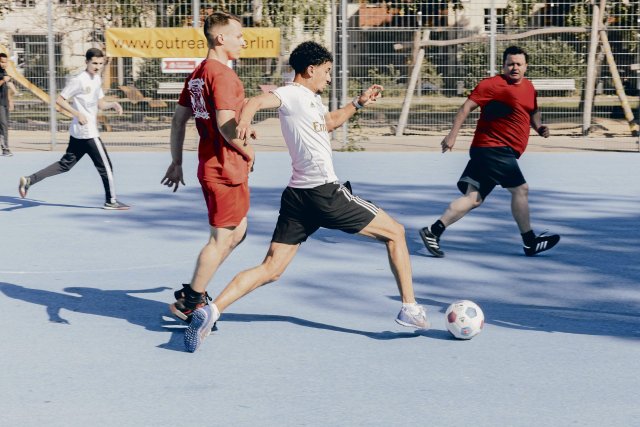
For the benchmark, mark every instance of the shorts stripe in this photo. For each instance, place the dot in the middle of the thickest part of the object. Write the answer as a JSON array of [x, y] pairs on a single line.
[[365, 204]]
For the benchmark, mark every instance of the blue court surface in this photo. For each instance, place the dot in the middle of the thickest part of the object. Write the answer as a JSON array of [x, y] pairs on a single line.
[[83, 293]]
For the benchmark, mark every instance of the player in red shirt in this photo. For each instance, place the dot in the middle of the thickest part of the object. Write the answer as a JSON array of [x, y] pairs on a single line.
[[213, 94], [508, 109]]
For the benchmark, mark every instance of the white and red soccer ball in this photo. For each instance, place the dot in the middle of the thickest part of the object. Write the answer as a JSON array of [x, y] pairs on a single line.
[[464, 319]]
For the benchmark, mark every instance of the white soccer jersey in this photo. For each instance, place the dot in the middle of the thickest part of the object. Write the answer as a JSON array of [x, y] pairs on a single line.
[[305, 132], [85, 91]]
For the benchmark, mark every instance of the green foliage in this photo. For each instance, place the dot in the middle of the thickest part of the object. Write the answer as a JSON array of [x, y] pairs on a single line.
[[625, 16], [429, 72], [150, 75], [113, 13], [252, 75], [473, 64], [518, 12], [387, 76], [37, 71], [283, 13], [547, 58], [579, 16], [553, 58]]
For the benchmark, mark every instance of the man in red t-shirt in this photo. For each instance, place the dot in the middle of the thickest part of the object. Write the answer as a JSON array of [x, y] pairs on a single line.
[[508, 109], [213, 94]]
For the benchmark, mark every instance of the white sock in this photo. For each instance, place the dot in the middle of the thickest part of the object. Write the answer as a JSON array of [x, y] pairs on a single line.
[[215, 311]]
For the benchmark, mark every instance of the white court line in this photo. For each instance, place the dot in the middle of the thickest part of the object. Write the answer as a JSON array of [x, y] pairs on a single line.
[[97, 270]]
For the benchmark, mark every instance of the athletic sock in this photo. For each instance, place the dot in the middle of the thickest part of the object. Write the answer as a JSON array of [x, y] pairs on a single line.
[[437, 228], [192, 298], [528, 238], [215, 311]]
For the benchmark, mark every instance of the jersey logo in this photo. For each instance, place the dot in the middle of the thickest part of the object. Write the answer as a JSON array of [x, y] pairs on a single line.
[[319, 127], [197, 99]]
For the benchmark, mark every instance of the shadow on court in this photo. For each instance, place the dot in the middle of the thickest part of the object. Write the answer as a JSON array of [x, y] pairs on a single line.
[[384, 335], [119, 304], [529, 317], [16, 203], [585, 285]]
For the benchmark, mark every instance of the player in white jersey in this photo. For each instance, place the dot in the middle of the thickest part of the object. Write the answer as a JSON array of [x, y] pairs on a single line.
[[86, 91], [314, 198]]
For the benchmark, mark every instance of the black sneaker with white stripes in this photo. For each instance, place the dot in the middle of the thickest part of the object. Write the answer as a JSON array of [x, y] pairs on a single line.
[[431, 242], [541, 243]]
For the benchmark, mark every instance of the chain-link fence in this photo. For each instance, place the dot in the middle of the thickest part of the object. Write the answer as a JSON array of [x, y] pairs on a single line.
[[373, 41]]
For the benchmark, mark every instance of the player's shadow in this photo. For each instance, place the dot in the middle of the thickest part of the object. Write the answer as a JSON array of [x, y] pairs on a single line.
[[384, 335], [16, 203], [118, 304]]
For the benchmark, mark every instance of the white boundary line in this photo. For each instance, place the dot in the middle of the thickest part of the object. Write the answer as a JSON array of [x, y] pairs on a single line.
[[96, 270]]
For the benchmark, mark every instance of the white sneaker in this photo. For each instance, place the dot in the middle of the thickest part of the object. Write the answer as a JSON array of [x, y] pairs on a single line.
[[23, 186], [115, 206], [413, 316], [202, 321]]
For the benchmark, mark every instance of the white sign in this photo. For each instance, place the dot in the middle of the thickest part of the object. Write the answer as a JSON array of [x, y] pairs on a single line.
[[179, 65]]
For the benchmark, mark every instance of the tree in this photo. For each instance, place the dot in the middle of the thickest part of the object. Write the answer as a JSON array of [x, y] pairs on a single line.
[[5, 7]]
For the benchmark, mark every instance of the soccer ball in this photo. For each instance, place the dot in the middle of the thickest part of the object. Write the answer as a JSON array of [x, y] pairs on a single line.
[[464, 319]]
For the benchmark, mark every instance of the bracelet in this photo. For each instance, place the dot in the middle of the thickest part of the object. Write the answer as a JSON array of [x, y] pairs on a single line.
[[357, 104]]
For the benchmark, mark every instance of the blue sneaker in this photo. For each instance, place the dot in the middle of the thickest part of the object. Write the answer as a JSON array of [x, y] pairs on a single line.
[[202, 321], [413, 316]]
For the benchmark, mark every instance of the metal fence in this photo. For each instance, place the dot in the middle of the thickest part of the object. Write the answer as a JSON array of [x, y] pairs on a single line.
[[460, 42]]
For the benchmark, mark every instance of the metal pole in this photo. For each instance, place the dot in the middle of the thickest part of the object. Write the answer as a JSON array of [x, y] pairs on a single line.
[[52, 74], [195, 6], [492, 44], [591, 70], [334, 89], [344, 66]]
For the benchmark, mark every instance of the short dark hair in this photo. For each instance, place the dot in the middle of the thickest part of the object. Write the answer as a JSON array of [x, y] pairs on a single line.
[[309, 53], [514, 50], [94, 52], [3, 55], [217, 19]]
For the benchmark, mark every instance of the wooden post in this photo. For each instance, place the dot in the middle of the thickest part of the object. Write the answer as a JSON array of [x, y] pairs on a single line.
[[418, 57], [617, 82]]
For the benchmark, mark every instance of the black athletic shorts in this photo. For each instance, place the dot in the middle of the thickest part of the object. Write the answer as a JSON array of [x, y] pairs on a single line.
[[304, 210], [490, 166]]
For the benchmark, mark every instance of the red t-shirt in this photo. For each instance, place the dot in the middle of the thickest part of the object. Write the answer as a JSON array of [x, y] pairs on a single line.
[[505, 117], [214, 86]]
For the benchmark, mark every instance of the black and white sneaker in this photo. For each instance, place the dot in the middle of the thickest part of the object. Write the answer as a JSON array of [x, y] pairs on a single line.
[[541, 243], [431, 242]]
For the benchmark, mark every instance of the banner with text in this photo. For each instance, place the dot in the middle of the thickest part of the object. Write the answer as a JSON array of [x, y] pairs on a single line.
[[184, 42]]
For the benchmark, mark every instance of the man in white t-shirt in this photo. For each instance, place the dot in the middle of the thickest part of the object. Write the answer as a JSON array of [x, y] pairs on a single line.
[[314, 198], [88, 97]]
